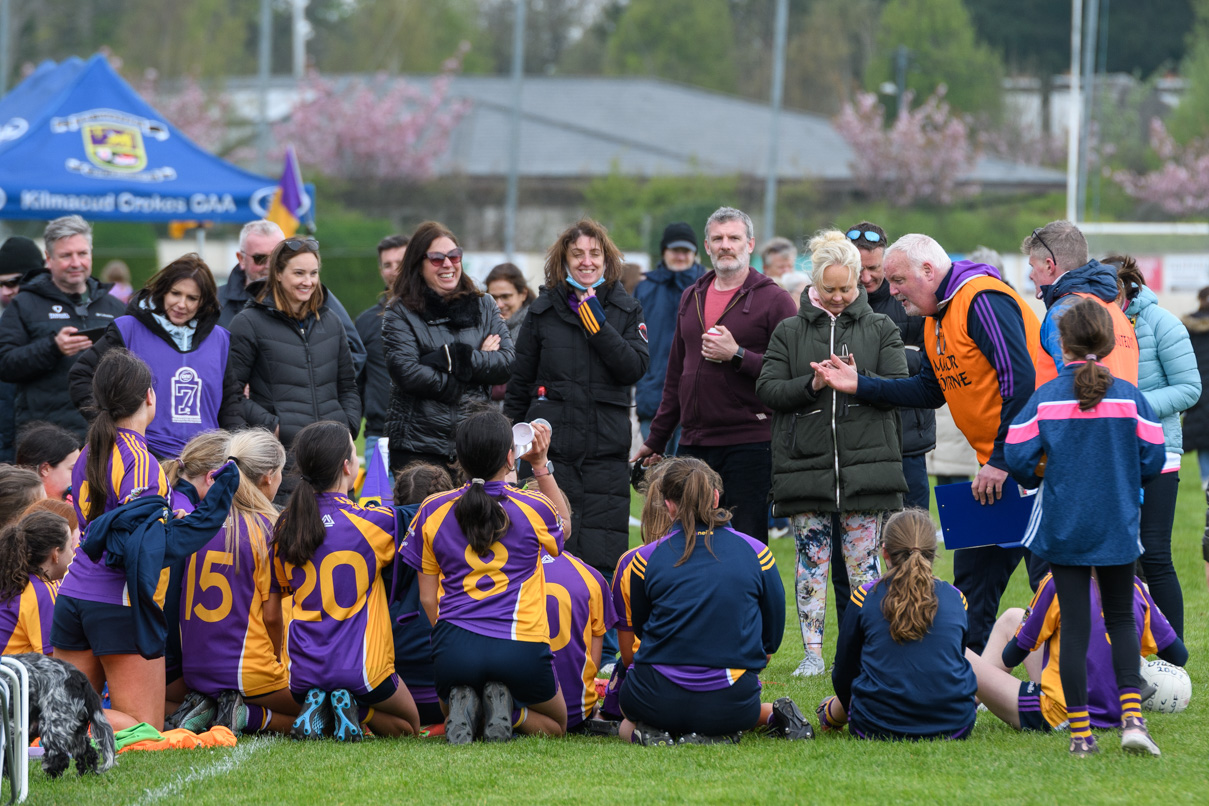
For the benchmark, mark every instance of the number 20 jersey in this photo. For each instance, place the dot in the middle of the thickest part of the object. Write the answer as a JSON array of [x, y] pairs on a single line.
[[502, 593], [339, 634]]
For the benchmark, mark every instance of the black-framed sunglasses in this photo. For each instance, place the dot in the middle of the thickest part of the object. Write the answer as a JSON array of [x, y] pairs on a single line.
[[1040, 240], [12, 282], [298, 244], [867, 234], [259, 259], [437, 259]]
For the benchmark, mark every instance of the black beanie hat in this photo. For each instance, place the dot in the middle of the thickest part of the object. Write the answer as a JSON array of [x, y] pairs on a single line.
[[677, 236], [20, 255]]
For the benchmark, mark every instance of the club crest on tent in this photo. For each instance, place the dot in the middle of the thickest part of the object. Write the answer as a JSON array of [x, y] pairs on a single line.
[[115, 146]]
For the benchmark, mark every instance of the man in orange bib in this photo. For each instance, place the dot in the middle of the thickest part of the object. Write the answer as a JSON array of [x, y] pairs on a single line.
[[1062, 274], [981, 342]]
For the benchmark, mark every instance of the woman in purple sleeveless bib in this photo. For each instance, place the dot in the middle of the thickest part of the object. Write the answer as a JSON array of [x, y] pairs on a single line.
[[172, 324]]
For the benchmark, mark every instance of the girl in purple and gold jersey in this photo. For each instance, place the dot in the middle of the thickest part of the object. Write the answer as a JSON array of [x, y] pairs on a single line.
[[478, 552], [34, 554], [94, 627], [330, 552], [230, 620]]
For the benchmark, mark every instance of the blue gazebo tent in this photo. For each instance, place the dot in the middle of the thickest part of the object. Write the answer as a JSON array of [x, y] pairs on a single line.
[[76, 138]]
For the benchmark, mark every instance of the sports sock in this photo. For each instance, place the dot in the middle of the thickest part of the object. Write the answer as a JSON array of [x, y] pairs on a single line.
[[771, 718], [258, 718], [519, 715], [1080, 722], [1131, 703]]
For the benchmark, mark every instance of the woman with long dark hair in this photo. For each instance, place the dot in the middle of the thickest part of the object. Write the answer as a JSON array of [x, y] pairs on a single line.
[[581, 350], [50, 451], [289, 347], [478, 552], [172, 324], [445, 346]]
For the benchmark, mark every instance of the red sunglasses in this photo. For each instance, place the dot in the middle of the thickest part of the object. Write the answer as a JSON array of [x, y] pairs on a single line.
[[437, 259]]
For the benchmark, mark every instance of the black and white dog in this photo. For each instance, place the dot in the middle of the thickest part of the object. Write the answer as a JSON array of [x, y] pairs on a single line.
[[62, 704]]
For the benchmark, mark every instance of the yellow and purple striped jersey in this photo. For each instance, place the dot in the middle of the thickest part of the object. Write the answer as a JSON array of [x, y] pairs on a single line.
[[133, 473], [579, 609], [225, 644], [339, 628], [1042, 630], [25, 620], [502, 593]]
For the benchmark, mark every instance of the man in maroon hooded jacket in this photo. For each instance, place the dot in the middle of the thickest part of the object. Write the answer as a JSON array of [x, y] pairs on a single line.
[[722, 329]]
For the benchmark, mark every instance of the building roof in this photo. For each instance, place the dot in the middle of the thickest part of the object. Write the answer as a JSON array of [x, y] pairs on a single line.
[[590, 126]]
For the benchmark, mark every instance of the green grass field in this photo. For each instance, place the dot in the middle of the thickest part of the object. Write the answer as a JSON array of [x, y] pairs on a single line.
[[995, 765]]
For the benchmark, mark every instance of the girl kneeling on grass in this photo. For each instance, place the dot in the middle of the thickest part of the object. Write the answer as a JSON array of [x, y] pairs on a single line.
[[34, 555], [708, 605], [330, 553], [1034, 637], [477, 550], [1100, 442], [230, 618], [900, 669]]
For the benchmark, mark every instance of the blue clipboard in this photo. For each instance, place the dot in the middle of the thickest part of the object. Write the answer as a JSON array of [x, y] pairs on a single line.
[[967, 524]]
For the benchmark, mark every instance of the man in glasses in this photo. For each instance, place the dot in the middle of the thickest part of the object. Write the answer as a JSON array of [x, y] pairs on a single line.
[[1063, 274], [257, 240], [57, 316], [373, 381], [981, 340]]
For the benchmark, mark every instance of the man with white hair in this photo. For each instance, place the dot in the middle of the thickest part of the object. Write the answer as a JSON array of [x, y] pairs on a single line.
[[57, 316], [257, 240], [981, 343]]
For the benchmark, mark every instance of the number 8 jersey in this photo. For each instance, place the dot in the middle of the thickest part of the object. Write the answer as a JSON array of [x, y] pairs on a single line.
[[501, 594], [339, 628]]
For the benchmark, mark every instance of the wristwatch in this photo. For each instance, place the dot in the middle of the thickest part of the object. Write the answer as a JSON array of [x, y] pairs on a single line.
[[736, 360], [538, 472]]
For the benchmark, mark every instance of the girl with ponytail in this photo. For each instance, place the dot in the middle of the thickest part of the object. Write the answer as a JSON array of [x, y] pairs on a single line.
[[903, 641], [329, 553], [230, 618], [708, 606], [1091, 432], [34, 555], [95, 628], [478, 553]]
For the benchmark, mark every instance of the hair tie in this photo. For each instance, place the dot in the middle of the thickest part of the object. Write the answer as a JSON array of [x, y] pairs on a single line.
[[309, 480], [914, 550], [476, 481], [1091, 357]]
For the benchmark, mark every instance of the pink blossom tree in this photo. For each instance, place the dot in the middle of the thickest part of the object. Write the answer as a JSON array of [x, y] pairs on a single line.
[[1180, 186], [382, 129], [923, 156]]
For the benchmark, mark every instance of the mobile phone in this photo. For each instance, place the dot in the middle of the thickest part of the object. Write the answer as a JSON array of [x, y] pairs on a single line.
[[93, 333]]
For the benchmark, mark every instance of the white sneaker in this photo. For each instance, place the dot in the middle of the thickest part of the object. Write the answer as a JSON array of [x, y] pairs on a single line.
[[811, 666]]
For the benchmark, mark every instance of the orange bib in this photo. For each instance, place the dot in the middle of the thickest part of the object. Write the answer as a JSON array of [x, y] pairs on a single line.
[[1122, 362], [969, 382]]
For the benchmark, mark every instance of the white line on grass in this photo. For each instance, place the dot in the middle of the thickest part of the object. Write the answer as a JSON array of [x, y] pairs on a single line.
[[223, 766]]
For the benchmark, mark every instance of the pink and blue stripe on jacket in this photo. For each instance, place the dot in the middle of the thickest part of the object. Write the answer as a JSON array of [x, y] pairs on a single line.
[[1096, 463]]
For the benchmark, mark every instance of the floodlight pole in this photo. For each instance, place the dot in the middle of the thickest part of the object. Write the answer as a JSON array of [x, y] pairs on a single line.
[[1075, 120], [4, 24], [514, 132], [774, 128], [266, 53], [1089, 78]]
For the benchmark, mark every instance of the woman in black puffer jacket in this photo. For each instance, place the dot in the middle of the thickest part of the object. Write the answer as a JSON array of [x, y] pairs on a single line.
[[291, 351], [582, 347], [445, 346]]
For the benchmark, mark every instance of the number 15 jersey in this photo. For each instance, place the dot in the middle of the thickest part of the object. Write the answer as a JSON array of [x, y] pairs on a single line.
[[501, 594], [339, 634]]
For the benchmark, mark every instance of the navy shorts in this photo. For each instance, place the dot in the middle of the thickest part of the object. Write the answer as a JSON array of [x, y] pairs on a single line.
[[104, 629], [380, 693], [1028, 704], [869, 732], [464, 658], [651, 698]]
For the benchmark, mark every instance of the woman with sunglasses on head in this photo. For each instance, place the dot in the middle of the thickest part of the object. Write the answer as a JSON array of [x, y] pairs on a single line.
[[172, 324], [446, 345], [290, 349]]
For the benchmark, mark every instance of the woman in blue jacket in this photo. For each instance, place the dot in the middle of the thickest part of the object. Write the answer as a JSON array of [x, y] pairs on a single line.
[[1170, 381]]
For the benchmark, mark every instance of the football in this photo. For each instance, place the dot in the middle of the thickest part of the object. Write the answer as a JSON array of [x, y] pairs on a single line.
[[1173, 684]]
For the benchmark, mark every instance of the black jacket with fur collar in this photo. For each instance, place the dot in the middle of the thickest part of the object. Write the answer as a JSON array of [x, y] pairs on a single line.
[[426, 404]]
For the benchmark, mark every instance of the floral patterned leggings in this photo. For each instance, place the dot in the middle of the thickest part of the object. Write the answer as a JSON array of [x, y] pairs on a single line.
[[862, 555]]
